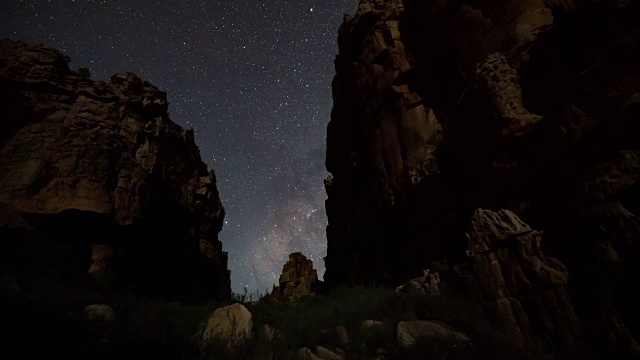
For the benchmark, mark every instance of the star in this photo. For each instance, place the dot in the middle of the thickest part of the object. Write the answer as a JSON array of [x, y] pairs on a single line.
[[253, 79]]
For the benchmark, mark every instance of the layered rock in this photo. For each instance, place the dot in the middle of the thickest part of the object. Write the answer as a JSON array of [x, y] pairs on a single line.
[[523, 291], [298, 278], [103, 164], [443, 107]]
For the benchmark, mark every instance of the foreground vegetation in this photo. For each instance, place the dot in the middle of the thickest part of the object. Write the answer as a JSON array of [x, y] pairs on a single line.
[[48, 321]]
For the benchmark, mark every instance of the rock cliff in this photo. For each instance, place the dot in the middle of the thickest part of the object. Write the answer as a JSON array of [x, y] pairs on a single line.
[[101, 166], [444, 107]]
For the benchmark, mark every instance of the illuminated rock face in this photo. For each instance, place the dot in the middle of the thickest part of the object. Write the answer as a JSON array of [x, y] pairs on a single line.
[[444, 107], [107, 153], [298, 278]]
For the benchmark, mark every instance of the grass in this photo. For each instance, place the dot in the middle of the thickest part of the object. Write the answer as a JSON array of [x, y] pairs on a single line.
[[49, 322]]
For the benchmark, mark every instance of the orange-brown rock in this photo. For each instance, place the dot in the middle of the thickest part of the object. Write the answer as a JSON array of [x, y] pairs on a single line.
[[103, 163], [298, 278], [444, 107]]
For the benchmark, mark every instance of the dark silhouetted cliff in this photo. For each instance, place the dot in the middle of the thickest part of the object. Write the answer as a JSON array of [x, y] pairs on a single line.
[[445, 107]]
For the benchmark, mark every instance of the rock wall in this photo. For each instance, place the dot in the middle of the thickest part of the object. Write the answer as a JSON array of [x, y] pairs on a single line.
[[443, 107], [102, 166]]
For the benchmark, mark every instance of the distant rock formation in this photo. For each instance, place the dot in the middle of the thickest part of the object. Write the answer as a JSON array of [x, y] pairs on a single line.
[[444, 107], [101, 166], [298, 278]]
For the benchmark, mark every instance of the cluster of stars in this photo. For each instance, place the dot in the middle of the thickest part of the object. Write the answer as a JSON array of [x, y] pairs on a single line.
[[252, 78]]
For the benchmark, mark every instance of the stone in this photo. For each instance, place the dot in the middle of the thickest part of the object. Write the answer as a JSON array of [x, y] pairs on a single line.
[[231, 324], [105, 159], [488, 228], [306, 354], [298, 278], [268, 332], [427, 284], [371, 326], [326, 354], [101, 256], [342, 336], [517, 282], [409, 333], [99, 313]]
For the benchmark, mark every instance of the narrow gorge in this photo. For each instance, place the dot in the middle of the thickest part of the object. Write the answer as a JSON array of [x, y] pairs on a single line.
[[483, 194]]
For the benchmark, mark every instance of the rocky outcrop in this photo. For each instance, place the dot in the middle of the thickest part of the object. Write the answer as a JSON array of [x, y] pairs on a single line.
[[443, 107], [298, 278], [103, 164], [522, 291]]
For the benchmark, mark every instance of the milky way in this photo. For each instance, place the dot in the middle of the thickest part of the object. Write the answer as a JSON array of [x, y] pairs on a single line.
[[253, 78]]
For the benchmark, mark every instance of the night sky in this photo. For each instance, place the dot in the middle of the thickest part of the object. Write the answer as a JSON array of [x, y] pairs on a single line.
[[253, 79]]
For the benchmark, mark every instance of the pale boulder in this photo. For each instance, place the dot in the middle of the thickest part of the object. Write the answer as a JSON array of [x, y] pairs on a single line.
[[232, 323], [410, 332], [99, 312]]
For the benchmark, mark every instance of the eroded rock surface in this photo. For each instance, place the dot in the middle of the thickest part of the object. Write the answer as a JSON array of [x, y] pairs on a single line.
[[99, 312], [523, 291], [103, 164], [298, 278], [444, 107], [411, 332], [231, 324]]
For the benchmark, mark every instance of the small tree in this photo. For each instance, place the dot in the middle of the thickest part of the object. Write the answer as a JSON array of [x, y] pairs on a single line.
[[84, 73]]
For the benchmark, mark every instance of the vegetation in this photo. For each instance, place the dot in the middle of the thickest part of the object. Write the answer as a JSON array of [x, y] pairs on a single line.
[[50, 322]]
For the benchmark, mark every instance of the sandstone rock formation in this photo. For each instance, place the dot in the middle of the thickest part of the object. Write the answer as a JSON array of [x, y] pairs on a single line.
[[298, 278], [427, 284], [443, 107], [521, 290], [101, 166]]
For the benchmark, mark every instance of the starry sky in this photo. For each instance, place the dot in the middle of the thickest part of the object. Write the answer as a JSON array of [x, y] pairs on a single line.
[[252, 78]]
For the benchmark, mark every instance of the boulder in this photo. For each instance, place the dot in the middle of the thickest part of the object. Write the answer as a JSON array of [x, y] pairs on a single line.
[[427, 284], [342, 336], [306, 354], [231, 324], [410, 333], [99, 313], [326, 354]]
